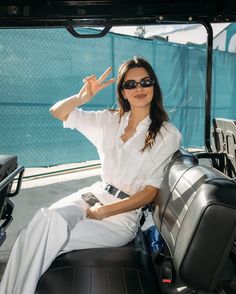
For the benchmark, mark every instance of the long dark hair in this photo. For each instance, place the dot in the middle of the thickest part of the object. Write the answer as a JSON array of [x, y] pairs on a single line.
[[158, 114]]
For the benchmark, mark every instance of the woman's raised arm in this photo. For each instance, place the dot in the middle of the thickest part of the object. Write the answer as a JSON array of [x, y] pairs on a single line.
[[91, 87]]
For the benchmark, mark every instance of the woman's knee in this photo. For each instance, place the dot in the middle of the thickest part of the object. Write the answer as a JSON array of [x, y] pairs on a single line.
[[45, 214], [71, 213]]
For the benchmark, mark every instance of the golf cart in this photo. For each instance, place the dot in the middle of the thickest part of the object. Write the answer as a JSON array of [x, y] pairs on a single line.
[[191, 247]]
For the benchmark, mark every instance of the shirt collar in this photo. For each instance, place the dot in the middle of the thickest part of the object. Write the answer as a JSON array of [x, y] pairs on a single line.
[[144, 124]]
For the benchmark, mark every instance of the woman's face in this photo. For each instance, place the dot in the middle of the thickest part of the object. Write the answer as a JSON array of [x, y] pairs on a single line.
[[139, 97]]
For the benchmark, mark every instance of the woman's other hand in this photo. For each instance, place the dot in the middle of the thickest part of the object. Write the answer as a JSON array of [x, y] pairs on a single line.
[[92, 85], [96, 211]]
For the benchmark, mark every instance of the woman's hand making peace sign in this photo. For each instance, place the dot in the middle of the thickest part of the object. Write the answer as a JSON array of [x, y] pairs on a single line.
[[93, 85]]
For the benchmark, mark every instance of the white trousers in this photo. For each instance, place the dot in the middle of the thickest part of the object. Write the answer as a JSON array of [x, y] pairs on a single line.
[[61, 228]]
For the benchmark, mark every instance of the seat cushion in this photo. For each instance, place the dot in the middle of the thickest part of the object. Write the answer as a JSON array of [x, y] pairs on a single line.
[[120, 270]]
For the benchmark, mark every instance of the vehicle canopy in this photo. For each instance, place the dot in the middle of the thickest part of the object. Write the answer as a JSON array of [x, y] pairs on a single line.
[[117, 12]]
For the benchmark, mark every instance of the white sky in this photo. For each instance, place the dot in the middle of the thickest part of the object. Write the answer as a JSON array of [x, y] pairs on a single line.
[[194, 33]]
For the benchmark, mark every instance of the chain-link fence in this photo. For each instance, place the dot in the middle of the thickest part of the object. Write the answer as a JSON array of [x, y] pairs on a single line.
[[39, 67]]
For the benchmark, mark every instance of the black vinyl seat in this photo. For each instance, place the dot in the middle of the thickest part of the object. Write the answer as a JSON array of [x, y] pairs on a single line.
[[195, 213], [121, 270]]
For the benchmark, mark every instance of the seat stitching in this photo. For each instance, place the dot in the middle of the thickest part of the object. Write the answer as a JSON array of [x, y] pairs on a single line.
[[123, 275], [83, 266], [108, 282], [90, 281], [139, 279]]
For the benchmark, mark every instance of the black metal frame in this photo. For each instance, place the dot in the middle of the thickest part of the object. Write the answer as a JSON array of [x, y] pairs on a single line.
[[208, 86], [39, 13], [10, 178], [8, 206]]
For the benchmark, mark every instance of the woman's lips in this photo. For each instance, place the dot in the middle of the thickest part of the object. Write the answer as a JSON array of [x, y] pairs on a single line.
[[140, 96]]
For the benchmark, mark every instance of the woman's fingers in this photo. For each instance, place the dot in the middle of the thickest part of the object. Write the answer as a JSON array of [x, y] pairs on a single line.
[[92, 85], [92, 77], [105, 84], [101, 78], [105, 74]]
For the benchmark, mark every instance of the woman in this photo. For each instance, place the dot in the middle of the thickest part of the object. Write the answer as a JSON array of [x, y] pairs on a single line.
[[135, 144]]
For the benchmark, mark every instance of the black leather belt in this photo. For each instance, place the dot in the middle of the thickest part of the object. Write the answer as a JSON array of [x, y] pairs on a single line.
[[113, 190]]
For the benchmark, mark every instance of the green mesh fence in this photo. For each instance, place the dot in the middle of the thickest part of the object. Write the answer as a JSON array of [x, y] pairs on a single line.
[[39, 67]]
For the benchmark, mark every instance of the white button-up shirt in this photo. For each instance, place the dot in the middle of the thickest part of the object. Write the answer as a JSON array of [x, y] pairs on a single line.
[[123, 164]]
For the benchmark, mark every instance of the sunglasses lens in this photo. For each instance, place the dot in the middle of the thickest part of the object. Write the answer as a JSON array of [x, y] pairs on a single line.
[[147, 83], [130, 84]]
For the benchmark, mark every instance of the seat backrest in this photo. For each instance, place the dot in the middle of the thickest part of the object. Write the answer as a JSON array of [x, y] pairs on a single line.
[[218, 135], [195, 213], [225, 140], [181, 161]]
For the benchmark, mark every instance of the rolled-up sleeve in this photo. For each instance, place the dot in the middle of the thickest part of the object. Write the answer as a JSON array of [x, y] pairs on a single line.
[[89, 123], [166, 146]]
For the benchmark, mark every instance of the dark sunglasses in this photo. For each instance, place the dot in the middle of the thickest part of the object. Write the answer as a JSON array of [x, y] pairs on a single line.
[[144, 83]]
